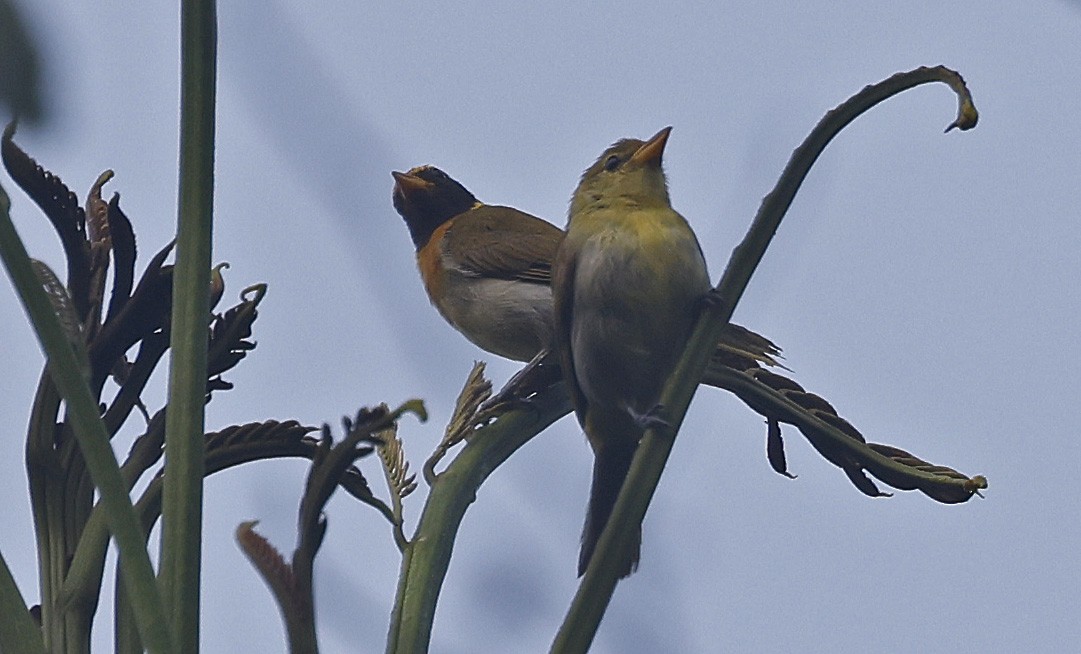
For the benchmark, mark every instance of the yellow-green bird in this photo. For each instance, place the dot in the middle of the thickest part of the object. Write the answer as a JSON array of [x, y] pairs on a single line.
[[627, 284]]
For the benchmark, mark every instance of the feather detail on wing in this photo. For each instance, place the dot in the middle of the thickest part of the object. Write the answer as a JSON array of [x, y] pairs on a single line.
[[504, 243]]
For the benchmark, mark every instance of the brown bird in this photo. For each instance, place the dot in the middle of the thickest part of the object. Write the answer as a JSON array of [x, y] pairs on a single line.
[[486, 268]]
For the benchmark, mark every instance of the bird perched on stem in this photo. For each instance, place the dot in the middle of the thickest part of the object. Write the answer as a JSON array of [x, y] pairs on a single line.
[[487, 269], [627, 284]]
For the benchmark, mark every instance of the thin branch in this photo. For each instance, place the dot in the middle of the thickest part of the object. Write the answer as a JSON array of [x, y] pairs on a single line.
[[424, 566], [181, 548], [291, 582]]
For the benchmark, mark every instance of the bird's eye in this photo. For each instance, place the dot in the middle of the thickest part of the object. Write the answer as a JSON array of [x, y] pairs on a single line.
[[611, 163]]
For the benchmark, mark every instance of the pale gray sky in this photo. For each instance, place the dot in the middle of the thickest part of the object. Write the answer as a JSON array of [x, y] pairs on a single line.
[[926, 284]]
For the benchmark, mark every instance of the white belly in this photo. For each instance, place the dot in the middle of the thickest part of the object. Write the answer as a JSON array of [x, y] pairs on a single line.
[[509, 318]]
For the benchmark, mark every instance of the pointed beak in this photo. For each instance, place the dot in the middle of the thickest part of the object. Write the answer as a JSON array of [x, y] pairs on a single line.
[[406, 183], [651, 150]]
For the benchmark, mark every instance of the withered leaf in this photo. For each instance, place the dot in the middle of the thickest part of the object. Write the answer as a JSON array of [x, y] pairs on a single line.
[[124, 252], [61, 207], [775, 448], [229, 334]]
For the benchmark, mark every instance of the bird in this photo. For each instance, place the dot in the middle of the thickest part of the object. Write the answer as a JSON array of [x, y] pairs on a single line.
[[628, 283], [487, 270]]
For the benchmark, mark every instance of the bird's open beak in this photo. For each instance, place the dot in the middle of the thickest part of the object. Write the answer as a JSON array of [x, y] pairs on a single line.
[[406, 183], [651, 150]]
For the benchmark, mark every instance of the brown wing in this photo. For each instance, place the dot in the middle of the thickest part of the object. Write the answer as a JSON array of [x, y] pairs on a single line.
[[504, 243]]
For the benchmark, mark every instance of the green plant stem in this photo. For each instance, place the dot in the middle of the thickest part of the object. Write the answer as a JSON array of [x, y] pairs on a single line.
[[125, 636], [91, 434], [41, 465], [595, 591], [183, 493], [427, 556], [18, 631]]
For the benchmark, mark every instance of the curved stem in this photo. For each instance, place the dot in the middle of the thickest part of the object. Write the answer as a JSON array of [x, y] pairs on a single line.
[[599, 582], [427, 556]]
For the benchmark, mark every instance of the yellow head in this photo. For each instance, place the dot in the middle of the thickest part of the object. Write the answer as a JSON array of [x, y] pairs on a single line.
[[628, 174]]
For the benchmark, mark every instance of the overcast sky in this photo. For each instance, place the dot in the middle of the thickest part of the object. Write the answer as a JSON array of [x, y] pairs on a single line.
[[926, 284]]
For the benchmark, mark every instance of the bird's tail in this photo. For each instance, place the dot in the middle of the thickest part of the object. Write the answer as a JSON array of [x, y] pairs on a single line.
[[610, 466]]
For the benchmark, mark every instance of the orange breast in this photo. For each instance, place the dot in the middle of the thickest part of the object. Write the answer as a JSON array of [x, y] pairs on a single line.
[[430, 262]]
